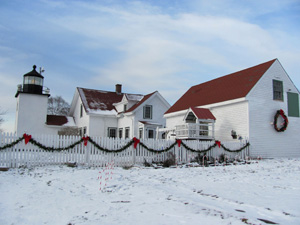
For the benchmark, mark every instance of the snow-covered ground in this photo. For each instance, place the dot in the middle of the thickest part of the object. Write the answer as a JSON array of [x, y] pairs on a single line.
[[259, 193]]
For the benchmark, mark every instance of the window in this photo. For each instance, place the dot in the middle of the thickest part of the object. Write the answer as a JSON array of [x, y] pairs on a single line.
[[148, 112], [293, 104], [127, 129], [277, 90], [150, 134], [81, 110], [84, 131], [203, 129], [112, 132], [125, 108], [140, 133], [121, 133]]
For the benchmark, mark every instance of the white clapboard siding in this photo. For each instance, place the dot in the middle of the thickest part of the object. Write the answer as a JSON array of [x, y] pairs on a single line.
[[30, 155]]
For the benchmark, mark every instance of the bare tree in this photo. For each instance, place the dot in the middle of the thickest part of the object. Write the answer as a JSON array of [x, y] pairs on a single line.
[[1, 118], [58, 106]]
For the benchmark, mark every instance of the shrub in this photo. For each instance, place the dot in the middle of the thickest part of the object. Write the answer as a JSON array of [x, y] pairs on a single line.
[[170, 161]]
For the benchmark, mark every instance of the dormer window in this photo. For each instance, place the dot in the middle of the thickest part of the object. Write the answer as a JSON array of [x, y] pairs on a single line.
[[125, 108], [148, 112]]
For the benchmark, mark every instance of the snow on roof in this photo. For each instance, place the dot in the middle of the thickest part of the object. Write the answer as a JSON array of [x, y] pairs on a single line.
[[96, 100], [140, 102], [134, 97], [102, 102]]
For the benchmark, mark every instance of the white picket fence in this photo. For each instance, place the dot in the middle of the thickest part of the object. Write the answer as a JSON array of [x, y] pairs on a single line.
[[31, 155]]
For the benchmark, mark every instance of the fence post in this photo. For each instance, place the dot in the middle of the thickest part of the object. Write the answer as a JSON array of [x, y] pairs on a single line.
[[134, 152], [87, 154]]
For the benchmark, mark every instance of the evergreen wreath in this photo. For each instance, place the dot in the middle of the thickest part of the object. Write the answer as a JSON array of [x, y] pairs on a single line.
[[286, 121]]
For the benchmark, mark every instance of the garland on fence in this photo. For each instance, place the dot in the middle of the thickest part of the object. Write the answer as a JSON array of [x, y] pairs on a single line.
[[12, 144], [134, 141], [111, 151]]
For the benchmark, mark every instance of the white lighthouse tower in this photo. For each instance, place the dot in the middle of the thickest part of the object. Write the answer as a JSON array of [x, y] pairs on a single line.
[[32, 101]]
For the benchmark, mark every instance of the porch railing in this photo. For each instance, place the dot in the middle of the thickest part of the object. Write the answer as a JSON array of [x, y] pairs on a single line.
[[195, 131]]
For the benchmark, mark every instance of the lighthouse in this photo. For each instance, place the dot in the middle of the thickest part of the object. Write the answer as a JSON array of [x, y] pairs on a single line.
[[32, 101]]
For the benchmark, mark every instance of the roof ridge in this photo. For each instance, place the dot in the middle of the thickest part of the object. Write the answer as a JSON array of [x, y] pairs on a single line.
[[228, 87], [239, 71], [92, 89]]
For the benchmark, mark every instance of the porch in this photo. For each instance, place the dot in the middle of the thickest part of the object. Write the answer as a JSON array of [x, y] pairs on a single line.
[[201, 131], [199, 124]]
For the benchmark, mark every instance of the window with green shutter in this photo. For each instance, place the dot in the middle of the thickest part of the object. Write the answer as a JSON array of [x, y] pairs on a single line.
[[293, 104]]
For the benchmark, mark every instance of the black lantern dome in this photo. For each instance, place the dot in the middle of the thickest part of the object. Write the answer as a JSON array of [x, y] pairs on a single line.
[[33, 82]]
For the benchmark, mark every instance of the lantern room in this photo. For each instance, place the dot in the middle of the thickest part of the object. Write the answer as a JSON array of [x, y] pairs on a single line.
[[33, 82]]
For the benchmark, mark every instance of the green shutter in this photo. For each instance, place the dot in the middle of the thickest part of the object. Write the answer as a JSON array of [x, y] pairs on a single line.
[[293, 104]]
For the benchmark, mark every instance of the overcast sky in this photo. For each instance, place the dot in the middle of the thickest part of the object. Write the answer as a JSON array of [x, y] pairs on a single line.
[[167, 45]]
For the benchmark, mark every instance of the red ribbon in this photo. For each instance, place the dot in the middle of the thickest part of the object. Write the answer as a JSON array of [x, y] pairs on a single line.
[[136, 141], [283, 116], [27, 138], [179, 142], [218, 143], [85, 139]]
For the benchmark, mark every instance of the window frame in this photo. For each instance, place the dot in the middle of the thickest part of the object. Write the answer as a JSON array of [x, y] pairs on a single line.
[[111, 129], [120, 133], [148, 133], [277, 94], [145, 113], [141, 133], [127, 132], [81, 111]]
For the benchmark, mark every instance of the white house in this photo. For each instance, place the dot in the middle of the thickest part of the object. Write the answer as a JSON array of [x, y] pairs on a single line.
[[93, 112], [31, 111], [244, 105], [117, 114]]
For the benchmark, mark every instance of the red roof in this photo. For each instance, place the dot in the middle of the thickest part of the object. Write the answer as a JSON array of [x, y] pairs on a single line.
[[202, 113], [96, 99], [140, 102], [56, 120], [104, 100], [229, 87]]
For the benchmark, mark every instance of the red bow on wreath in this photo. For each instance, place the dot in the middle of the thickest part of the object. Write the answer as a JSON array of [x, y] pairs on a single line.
[[85, 139], [27, 138]]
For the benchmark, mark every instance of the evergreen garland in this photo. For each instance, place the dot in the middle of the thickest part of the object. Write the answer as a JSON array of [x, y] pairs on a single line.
[[238, 150], [198, 151], [158, 151], [41, 146], [111, 151], [12, 144], [52, 149]]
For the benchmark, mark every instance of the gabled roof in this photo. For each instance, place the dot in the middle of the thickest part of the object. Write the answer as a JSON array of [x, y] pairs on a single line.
[[56, 120], [202, 113], [98, 100], [229, 87], [140, 102]]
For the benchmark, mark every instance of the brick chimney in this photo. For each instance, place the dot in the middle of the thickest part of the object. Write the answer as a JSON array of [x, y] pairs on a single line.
[[119, 89]]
